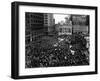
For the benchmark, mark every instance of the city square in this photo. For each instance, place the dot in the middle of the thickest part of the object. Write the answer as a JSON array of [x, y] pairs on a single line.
[[51, 44]]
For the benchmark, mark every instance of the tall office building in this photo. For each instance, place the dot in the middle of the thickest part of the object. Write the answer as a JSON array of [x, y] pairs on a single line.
[[48, 21], [80, 23], [34, 24]]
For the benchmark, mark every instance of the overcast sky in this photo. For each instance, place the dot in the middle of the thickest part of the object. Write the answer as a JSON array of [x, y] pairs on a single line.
[[59, 17]]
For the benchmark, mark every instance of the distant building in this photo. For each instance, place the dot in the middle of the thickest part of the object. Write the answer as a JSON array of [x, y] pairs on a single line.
[[64, 28], [49, 22], [53, 21], [80, 23], [34, 26]]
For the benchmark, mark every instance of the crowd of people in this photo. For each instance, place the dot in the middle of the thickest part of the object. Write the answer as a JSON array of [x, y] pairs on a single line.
[[51, 51]]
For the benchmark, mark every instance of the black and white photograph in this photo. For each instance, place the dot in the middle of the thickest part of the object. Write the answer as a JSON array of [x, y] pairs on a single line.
[[55, 40], [50, 40]]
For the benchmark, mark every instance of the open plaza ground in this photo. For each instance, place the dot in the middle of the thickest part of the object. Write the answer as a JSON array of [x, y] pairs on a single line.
[[55, 50]]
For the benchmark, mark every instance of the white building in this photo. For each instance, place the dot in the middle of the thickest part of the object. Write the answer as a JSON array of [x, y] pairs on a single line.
[[65, 28]]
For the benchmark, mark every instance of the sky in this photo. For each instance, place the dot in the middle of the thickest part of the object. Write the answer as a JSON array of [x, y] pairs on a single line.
[[59, 17]]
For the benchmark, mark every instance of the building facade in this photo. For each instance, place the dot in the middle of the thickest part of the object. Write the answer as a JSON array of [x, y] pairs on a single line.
[[80, 23], [34, 25], [65, 28], [49, 22]]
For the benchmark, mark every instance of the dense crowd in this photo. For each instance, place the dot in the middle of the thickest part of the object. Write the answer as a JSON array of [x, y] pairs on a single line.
[[54, 51]]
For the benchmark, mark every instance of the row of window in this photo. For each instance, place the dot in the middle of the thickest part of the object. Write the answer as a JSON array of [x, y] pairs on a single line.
[[79, 23], [34, 15], [34, 21], [63, 30]]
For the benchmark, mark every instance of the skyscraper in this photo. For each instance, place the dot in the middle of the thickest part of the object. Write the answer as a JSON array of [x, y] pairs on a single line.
[[48, 21]]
